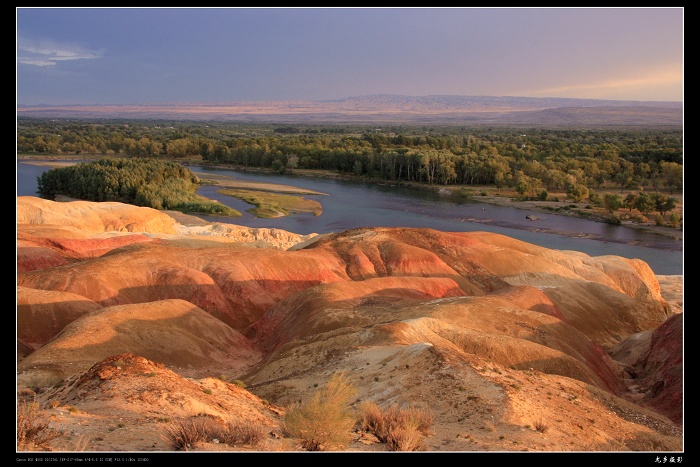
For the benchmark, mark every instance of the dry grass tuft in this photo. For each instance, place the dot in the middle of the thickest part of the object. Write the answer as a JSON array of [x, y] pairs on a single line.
[[326, 421], [237, 433], [541, 426], [32, 431], [400, 429], [185, 434]]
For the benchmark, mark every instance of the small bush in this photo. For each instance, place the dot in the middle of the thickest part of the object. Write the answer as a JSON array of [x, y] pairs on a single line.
[[638, 217], [185, 434], [405, 439], [326, 420], [614, 220], [32, 431], [400, 429], [238, 432], [675, 220], [540, 426], [239, 383]]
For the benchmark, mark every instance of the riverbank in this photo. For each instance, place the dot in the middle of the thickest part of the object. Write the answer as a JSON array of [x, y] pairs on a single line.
[[557, 203], [557, 208]]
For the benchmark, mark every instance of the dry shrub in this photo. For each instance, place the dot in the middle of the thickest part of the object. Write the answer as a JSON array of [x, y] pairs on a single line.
[[33, 431], [541, 426], [371, 417], [400, 429], [326, 421], [185, 434], [405, 439], [238, 432], [419, 418]]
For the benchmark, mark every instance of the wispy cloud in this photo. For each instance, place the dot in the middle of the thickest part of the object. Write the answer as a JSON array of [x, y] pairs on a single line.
[[607, 88], [49, 53]]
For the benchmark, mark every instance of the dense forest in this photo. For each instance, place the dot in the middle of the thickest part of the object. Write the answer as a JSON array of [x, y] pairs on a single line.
[[531, 161], [154, 183]]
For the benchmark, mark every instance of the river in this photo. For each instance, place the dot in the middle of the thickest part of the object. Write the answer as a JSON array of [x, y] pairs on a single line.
[[355, 204]]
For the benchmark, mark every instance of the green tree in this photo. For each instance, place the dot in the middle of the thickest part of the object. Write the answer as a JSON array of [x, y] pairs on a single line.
[[612, 202], [357, 167], [644, 203], [672, 174], [630, 201], [577, 192], [663, 203], [522, 183], [594, 198]]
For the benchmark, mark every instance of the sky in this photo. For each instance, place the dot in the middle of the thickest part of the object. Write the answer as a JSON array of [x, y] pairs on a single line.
[[85, 56]]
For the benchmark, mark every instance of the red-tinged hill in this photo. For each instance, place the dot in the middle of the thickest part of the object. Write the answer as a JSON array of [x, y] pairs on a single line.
[[510, 346]]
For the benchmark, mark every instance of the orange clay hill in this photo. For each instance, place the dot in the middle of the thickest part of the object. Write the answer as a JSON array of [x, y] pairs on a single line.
[[137, 332]]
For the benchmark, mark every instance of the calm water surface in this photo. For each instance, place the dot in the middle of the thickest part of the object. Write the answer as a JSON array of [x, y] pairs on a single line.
[[350, 205]]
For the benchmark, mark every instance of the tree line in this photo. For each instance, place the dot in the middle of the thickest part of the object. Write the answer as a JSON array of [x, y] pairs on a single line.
[[532, 161]]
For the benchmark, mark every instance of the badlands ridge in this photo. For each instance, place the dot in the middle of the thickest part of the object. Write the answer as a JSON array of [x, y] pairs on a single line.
[[492, 335]]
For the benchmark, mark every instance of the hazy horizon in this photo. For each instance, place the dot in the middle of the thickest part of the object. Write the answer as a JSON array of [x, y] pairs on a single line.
[[332, 100], [131, 56]]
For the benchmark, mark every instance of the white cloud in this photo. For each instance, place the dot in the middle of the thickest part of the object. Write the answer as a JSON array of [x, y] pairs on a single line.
[[49, 53]]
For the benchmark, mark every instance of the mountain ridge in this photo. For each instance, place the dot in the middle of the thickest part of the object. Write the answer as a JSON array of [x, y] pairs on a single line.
[[387, 108]]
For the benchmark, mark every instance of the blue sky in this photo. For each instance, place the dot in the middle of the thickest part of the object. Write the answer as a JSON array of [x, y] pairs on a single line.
[[189, 55]]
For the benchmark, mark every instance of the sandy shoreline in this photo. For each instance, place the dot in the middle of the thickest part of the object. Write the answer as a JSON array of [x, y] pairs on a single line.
[[538, 207]]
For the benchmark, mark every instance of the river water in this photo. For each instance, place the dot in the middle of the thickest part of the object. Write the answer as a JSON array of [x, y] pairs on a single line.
[[349, 205]]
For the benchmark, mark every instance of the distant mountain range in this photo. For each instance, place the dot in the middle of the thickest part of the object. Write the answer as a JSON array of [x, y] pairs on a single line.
[[387, 108]]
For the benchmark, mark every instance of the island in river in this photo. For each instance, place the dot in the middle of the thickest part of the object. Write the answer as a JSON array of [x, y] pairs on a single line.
[[274, 200]]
